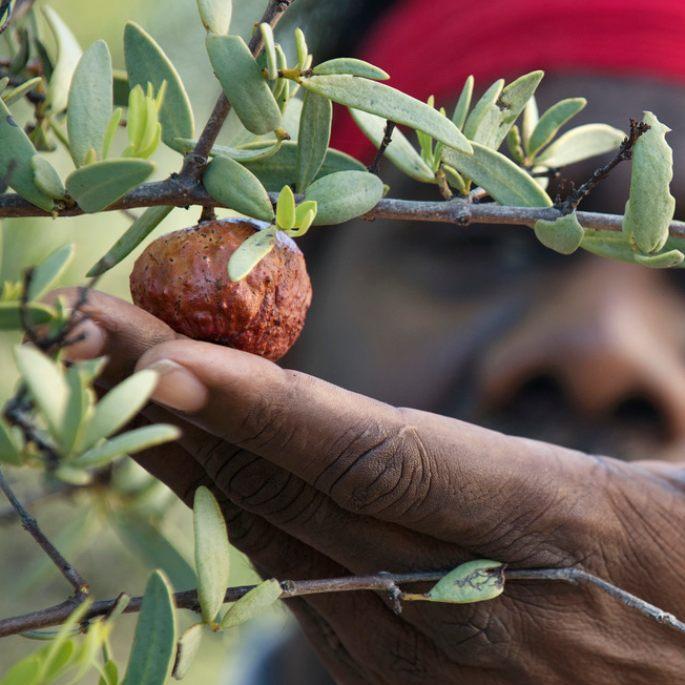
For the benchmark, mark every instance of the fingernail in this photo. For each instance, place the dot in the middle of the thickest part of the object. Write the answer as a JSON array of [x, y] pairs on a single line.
[[90, 339], [177, 387]]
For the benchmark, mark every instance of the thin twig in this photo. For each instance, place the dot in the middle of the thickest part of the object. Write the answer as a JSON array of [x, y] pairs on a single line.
[[72, 576], [387, 139]]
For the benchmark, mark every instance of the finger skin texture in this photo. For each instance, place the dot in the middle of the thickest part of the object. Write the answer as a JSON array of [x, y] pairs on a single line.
[[316, 481]]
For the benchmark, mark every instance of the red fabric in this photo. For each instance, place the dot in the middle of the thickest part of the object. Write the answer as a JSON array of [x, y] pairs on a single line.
[[431, 46]]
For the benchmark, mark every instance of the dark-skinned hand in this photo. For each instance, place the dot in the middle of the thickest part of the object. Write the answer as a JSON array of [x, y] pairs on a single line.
[[316, 481]]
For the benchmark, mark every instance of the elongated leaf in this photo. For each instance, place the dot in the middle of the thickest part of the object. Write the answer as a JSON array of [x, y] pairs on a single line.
[[269, 50], [251, 252], [463, 106], [250, 152], [243, 84], [98, 185], [49, 271], [515, 146], [513, 101], [130, 442], [529, 120], [47, 179], [344, 195], [215, 15], [90, 102], [352, 67], [388, 103], [614, 245], [136, 233], [581, 143], [285, 209], [400, 151], [68, 56], [16, 155], [187, 649], [551, 121], [281, 169], [211, 553], [37, 313], [120, 405], [650, 207], [22, 89], [248, 606], [563, 235], [235, 186], [120, 87], [504, 181], [474, 581], [24, 672], [81, 401], [10, 445], [154, 644], [482, 111], [315, 132], [147, 63], [110, 674], [46, 382], [663, 260]]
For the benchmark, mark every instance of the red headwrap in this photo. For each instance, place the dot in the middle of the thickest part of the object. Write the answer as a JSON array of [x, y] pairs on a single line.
[[431, 46]]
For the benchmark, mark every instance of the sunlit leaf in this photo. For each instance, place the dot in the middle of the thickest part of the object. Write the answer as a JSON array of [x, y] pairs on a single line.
[[25, 672], [529, 120], [463, 106], [15, 94], [581, 143], [352, 67], [551, 121], [285, 209], [251, 604], [513, 101], [110, 673], [68, 55], [187, 650], [46, 275], [474, 581], [269, 50], [663, 260], [515, 145], [46, 178], [313, 138], [485, 113], [301, 48], [563, 235], [251, 252], [215, 15]]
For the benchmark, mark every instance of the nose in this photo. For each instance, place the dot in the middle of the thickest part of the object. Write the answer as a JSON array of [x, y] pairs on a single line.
[[606, 333]]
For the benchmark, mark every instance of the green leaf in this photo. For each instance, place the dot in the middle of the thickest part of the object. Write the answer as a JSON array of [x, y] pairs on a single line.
[[10, 445], [281, 169], [130, 442], [147, 63], [515, 146], [650, 207], [15, 94], [400, 151], [79, 406], [313, 138], [154, 644], [152, 547], [344, 195], [474, 581], [301, 48], [90, 102], [50, 270], [249, 152], [119, 406], [46, 383], [46, 178], [504, 181], [120, 87], [388, 103], [564, 235], [215, 15], [211, 553], [663, 260], [96, 186], [513, 101], [243, 84], [236, 187], [581, 143], [269, 50], [110, 673], [351, 67], [68, 55], [481, 114], [25, 672], [529, 120], [461, 111], [251, 252], [37, 313], [111, 130], [136, 233], [551, 121], [248, 606], [285, 209], [16, 155], [187, 649]]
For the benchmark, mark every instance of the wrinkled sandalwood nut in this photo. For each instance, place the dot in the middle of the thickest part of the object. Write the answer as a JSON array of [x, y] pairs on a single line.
[[182, 279]]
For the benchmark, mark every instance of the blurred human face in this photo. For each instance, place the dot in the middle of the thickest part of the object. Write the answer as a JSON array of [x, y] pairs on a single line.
[[485, 324]]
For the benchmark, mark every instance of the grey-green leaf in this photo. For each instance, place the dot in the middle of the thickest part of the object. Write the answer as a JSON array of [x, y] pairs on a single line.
[[147, 63], [650, 207], [505, 182], [96, 186], [243, 83], [211, 553], [479, 114], [344, 195], [16, 155], [581, 143], [48, 272], [251, 252], [513, 101], [215, 15], [281, 169], [351, 67], [248, 606], [463, 106], [236, 187], [154, 643], [136, 233], [37, 313], [187, 649], [47, 179], [388, 103], [663, 260], [474, 581], [564, 235], [551, 121], [530, 119], [315, 132], [400, 151], [68, 55]]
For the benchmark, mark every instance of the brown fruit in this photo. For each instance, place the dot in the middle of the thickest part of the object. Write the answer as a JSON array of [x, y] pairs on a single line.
[[182, 279]]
